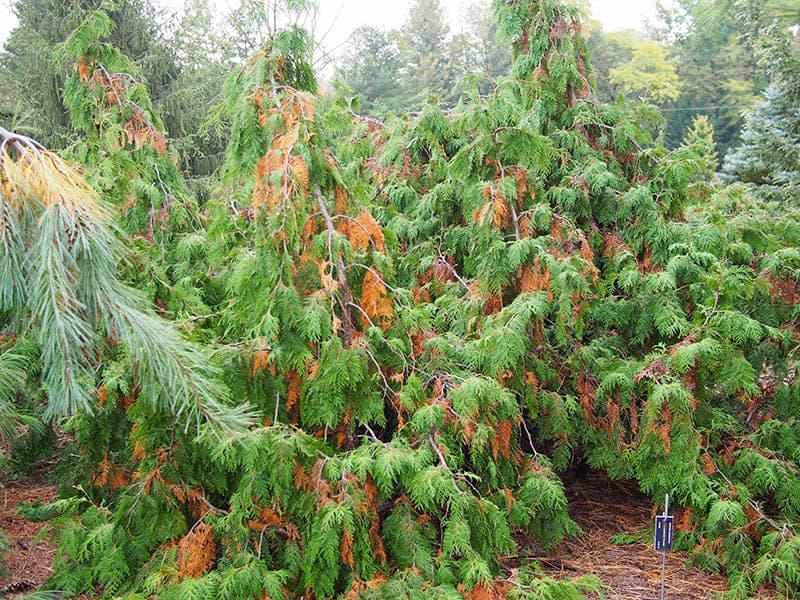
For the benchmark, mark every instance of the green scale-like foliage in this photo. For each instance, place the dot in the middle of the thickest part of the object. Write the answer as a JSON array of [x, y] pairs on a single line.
[[376, 463], [129, 160], [435, 319], [659, 327]]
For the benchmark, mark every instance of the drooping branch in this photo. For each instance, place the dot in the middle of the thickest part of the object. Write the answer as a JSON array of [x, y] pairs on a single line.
[[341, 271]]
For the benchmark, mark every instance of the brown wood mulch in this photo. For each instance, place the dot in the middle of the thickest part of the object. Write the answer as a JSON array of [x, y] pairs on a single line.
[[28, 562], [603, 508]]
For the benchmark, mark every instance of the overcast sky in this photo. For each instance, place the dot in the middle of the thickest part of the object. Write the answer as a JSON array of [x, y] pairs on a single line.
[[340, 17]]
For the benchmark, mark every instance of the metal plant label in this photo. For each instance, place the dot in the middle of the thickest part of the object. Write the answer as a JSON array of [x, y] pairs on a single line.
[[664, 532]]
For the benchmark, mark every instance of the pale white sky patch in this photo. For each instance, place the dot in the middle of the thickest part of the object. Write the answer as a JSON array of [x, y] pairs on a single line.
[[340, 17], [616, 14]]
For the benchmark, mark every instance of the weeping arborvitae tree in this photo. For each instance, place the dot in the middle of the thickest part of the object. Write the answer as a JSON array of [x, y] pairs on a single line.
[[556, 244], [123, 144], [33, 74], [124, 149], [64, 309], [437, 318], [378, 460]]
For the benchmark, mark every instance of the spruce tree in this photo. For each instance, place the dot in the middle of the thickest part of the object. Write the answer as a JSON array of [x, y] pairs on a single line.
[[769, 154], [35, 74], [423, 46], [372, 68], [203, 61]]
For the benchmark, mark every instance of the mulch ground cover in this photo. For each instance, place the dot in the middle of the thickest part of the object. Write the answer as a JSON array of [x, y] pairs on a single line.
[[28, 562], [603, 508]]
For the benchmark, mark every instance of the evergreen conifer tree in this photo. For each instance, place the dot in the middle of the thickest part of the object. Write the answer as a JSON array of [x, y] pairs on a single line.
[[371, 67], [701, 137], [34, 74], [433, 321], [699, 142], [769, 154], [423, 46]]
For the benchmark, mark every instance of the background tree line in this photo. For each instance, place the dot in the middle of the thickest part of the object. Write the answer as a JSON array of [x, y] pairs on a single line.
[[696, 60]]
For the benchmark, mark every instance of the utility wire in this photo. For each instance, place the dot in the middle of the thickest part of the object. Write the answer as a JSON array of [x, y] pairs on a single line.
[[713, 107]]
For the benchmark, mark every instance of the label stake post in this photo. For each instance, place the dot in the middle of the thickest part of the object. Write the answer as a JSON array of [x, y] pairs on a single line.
[[664, 554], [663, 539]]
